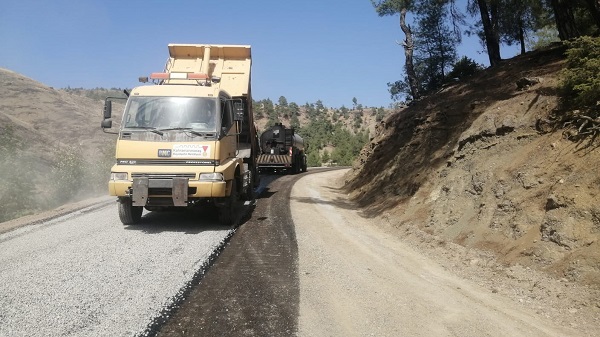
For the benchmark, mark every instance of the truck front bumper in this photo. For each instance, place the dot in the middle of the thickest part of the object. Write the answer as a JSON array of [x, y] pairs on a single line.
[[180, 189]]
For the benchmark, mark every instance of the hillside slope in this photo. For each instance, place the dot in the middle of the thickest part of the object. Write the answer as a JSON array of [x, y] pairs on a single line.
[[53, 149], [48, 118], [469, 166]]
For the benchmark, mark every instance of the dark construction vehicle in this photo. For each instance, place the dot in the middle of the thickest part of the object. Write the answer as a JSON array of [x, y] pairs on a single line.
[[282, 150]]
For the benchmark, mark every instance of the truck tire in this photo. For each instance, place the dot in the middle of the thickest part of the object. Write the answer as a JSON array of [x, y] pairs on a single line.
[[303, 163], [129, 214], [296, 165], [227, 212], [248, 193]]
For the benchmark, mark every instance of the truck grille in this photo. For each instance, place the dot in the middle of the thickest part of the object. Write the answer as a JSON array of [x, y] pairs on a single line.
[[164, 175], [178, 162]]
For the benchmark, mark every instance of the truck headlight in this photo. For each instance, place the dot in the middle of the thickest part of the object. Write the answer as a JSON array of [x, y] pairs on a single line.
[[118, 176], [211, 176]]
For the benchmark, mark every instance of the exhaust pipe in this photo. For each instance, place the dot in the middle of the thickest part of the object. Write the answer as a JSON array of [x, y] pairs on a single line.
[[206, 61]]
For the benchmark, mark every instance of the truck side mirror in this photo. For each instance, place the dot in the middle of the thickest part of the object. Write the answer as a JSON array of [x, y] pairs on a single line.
[[106, 124], [107, 109]]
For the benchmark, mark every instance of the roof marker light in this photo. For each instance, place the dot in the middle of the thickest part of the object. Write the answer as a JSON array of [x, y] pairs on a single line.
[[177, 76], [197, 76], [159, 76]]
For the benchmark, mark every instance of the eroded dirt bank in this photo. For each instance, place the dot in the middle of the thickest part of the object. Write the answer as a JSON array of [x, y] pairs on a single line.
[[477, 165]]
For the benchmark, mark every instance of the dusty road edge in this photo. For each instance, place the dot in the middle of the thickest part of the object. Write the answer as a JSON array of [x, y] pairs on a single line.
[[82, 206]]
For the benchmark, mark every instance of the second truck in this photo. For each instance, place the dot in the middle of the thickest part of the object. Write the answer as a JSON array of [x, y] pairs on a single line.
[[189, 140], [282, 150]]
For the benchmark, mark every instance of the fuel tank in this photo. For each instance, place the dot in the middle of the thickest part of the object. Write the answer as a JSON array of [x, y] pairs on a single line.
[[278, 139]]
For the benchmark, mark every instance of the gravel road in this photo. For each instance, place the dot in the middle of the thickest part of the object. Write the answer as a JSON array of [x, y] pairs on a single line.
[[357, 280], [85, 274]]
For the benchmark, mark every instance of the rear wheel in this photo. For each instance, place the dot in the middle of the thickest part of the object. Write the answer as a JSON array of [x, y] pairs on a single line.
[[296, 165], [129, 214], [248, 193], [303, 163]]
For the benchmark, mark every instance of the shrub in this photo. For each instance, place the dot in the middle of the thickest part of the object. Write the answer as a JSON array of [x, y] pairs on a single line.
[[581, 78], [67, 175], [16, 172], [313, 159], [579, 115], [98, 171], [464, 68]]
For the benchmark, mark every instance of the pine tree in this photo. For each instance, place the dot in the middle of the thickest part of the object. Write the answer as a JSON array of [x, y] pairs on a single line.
[[401, 7], [436, 45]]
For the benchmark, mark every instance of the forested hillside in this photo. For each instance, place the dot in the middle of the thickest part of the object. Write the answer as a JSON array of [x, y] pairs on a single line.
[[335, 135], [433, 30]]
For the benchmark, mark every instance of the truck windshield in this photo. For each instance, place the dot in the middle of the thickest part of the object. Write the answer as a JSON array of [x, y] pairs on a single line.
[[173, 113]]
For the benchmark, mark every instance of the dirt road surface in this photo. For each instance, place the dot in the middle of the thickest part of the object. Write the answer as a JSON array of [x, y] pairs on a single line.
[[358, 280]]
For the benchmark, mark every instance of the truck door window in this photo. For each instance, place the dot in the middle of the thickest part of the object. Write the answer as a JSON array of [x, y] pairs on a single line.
[[226, 113]]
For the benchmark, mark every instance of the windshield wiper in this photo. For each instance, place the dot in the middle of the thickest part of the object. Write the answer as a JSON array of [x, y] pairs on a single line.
[[190, 130], [149, 128]]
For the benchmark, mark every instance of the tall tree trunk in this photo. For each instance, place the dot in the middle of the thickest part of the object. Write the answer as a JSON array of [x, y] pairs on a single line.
[[565, 21], [490, 31], [408, 45], [594, 8], [521, 36]]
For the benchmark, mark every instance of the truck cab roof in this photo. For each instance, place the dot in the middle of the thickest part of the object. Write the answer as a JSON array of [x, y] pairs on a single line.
[[177, 90]]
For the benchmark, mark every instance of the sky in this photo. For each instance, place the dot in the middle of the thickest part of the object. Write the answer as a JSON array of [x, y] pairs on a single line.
[[309, 50]]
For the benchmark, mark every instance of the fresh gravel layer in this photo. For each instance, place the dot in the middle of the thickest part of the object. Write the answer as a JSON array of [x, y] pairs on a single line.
[[88, 275]]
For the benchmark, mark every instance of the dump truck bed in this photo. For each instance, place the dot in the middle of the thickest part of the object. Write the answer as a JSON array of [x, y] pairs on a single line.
[[230, 64]]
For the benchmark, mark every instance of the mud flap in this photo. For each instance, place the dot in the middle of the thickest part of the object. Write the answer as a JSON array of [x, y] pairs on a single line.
[[140, 192], [180, 191]]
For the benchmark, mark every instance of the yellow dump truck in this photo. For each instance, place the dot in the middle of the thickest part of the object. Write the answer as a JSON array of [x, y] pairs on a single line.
[[188, 140]]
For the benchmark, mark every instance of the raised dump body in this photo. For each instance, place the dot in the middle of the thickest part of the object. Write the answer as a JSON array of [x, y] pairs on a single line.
[[281, 150], [189, 140], [227, 67]]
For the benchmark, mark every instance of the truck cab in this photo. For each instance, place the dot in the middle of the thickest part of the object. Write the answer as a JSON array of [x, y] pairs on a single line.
[[189, 140]]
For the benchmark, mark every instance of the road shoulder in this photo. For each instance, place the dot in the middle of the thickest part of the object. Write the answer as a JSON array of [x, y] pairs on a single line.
[[83, 205], [358, 278]]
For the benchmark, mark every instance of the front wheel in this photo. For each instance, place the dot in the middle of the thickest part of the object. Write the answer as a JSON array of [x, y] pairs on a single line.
[[227, 211], [129, 214]]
